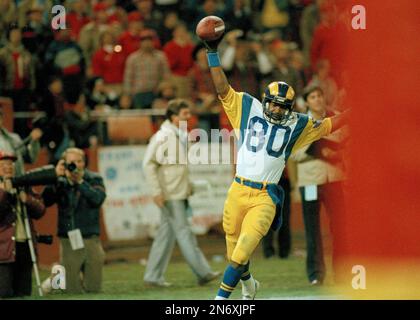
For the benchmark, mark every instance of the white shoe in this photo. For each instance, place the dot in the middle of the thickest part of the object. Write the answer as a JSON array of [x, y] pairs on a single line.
[[246, 295]]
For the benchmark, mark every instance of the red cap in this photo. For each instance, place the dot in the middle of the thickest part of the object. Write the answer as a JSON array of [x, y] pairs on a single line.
[[147, 34], [134, 16], [113, 19], [100, 6], [4, 155]]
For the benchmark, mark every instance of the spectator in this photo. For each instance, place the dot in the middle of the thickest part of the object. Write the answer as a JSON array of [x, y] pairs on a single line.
[[202, 88], [8, 16], [56, 136], [244, 63], [90, 33], [240, 17], [207, 8], [179, 53], [281, 68], [114, 12], [194, 10], [166, 93], [144, 71], [170, 186], [125, 102], [65, 58], [166, 30], [327, 84], [297, 62], [328, 40], [308, 22], [108, 63], [274, 15], [79, 195], [320, 180], [98, 95], [36, 36], [25, 5], [77, 18], [19, 80], [204, 94], [152, 18], [117, 28], [82, 129], [130, 39], [26, 152], [15, 257]]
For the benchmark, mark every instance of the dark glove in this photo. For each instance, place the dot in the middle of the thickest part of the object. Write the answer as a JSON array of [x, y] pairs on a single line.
[[211, 46]]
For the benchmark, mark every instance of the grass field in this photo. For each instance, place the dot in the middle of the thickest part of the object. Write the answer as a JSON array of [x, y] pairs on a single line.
[[280, 279]]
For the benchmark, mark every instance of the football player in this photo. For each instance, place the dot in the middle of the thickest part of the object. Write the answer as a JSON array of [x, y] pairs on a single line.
[[268, 133]]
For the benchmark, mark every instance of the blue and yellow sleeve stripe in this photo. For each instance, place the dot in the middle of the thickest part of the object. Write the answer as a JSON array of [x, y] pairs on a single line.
[[310, 132]]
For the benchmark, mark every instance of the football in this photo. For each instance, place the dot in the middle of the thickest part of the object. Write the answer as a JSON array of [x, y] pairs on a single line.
[[210, 28]]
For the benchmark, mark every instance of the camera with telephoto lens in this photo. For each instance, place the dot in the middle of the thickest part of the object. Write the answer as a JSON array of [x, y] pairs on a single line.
[[37, 177], [70, 166]]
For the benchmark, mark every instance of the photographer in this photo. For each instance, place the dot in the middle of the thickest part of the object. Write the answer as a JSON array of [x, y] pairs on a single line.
[[79, 194], [15, 258]]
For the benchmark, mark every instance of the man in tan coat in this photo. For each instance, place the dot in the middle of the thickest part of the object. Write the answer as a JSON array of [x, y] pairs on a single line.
[[166, 171]]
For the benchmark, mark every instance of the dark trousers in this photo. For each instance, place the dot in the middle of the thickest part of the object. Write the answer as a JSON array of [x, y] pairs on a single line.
[[283, 234], [331, 195], [16, 277]]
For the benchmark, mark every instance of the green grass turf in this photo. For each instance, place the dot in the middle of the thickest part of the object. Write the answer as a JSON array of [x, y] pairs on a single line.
[[280, 279]]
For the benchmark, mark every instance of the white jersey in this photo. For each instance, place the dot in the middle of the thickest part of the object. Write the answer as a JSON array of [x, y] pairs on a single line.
[[264, 147]]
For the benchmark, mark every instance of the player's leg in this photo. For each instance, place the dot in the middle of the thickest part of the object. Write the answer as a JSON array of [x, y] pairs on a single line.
[[233, 214], [255, 226], [249, 284]]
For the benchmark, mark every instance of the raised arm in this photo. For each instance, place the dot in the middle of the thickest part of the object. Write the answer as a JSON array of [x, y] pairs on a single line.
[[218, 75], [220, 81]]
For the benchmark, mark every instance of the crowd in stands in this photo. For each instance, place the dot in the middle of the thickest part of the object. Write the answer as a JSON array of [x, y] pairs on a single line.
[[139, 54]]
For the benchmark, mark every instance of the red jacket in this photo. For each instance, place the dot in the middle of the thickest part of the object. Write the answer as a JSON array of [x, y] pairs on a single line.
[[75, 23], [329, 42], [131, 43], [180, 58], [35, 208], [109, 65]]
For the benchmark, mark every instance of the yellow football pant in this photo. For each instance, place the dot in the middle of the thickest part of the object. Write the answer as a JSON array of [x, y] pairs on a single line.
[[247, 217]]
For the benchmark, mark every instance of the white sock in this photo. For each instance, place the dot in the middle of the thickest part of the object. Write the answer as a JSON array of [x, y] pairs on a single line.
[[249, 285], [220, 298]]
